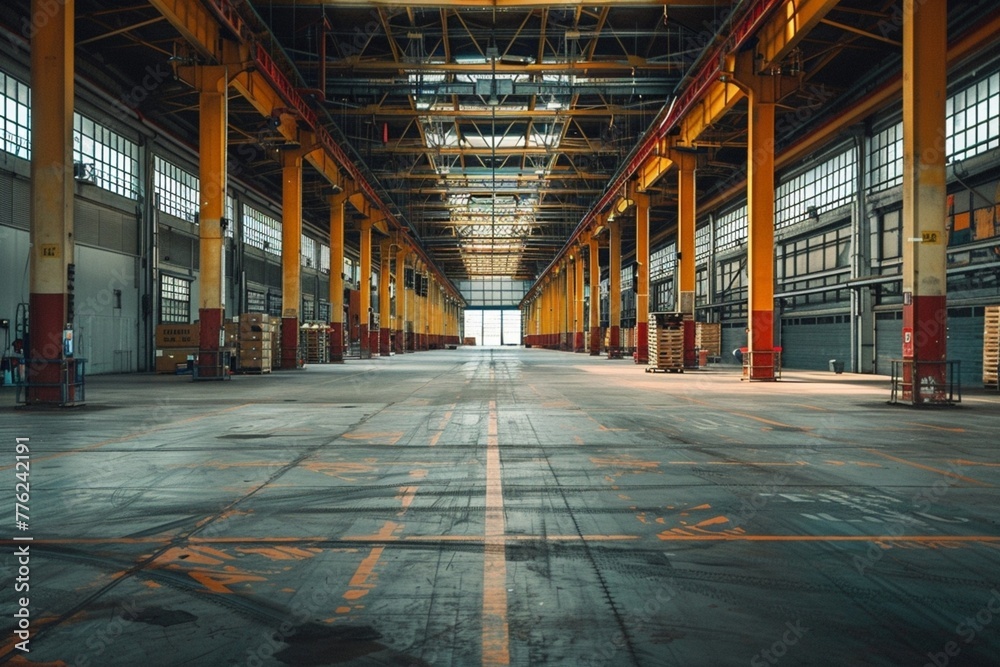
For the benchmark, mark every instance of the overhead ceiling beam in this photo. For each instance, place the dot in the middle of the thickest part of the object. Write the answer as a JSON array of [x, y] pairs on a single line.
[[259, 79], [489, 4], [354, 63], [396, 112]]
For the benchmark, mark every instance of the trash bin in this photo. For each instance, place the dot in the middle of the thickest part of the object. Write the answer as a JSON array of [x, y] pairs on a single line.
[[702, 358], [836, 366]]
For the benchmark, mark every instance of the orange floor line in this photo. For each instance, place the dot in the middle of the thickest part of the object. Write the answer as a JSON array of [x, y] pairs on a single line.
[[946, 473], [496, 642]]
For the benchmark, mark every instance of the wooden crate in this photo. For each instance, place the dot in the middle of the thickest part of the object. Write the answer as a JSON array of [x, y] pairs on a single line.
[[991, 346], [708, 336]]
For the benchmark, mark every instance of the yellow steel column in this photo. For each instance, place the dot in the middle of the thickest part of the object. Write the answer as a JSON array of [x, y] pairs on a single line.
[[580, 327], [384, 310], [337, 204], [594, 261], [401, 253], [686, 259], [925, 239], [762, 95], [418, 320], [569, 298], [52, 188], [365, 286], [291, 256], [426, 314], [614, 289], [642, 211], [212, 86]]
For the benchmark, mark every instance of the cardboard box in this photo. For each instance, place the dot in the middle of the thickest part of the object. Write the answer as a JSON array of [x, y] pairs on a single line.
[[168, 359], [177, 335]]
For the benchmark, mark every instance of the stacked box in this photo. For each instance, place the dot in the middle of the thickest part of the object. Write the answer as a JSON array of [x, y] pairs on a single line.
[[255, 343], [708, 336], [174, 359], [666, 341], [991, 343], [178, 335]]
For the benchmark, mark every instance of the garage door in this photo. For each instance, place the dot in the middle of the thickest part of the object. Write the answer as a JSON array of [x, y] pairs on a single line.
[[811, 342], [965, 343], [734, 335], [888, 340]]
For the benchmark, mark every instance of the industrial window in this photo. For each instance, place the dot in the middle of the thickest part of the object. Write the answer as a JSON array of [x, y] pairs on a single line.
[[308, 251], [889, 235], [230, 215], [701, 286], [324, 258], [350, 270], [731, 280], [274, 303], [177, 191], [972, 122], [662, 262], [885, 162], [256, 301], [261, 231], [175, 299], [815, 254], [493, 291], [663, 296], [731, 230], [821, 188], [15, 121], [308, 307], [702, 243], [115, 158]]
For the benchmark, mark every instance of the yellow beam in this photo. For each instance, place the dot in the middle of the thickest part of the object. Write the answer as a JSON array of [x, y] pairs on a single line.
[[789, 24], [337, 204], [925, 194], [365, 286], [716, 103], [491, 4], [642, 210], [760, 207], [686, 214], [651, 171]]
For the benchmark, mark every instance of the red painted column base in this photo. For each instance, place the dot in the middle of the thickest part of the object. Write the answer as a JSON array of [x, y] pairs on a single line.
[[690, 354], [45, 314], [385, 342], [595, 341], [289, 342], [762, 362], [579, 340], [336, 342], [925, 377], [373, 341], [642, 342], [209, 327], [614, 343]]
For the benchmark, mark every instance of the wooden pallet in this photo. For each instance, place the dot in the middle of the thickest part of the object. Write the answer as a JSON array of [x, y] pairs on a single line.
[[708, 336], [991, 346]]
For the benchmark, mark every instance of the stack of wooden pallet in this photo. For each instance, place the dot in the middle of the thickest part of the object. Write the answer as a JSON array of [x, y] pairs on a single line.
[[315, 341], [666, 342], [708, 336], [991, 342], [255, 343]]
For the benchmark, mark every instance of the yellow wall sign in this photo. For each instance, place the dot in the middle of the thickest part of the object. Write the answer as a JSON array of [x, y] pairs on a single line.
[[50, 250], [930, 237]]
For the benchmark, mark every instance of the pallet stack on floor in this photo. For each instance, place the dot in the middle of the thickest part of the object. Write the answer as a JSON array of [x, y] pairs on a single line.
[[708, 336], [991, 343], [276, 343], [255, 344], [314, 340], [666, 342]]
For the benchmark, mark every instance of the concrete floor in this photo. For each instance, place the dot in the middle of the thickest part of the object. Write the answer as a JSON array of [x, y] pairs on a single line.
[[506, 506]]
